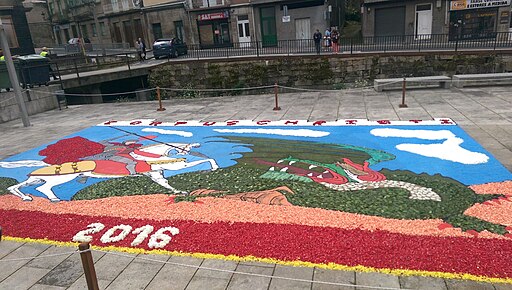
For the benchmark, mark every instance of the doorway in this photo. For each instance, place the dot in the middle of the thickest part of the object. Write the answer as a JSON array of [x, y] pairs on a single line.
[[117, 32], [423, 29], [244, 36], [389, 21], [268, 26], [302, 28], [221, 33]]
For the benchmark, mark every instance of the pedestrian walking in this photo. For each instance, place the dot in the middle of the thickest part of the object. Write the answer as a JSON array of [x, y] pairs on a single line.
[[327, 37], [138, 47], [317, 37], [143, 48], [335, 38]]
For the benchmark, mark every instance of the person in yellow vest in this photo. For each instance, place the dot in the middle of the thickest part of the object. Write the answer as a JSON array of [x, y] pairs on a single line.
[[2, 57], [45, 53]]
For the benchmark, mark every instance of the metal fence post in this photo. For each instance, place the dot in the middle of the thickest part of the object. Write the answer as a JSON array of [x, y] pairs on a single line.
[[88, 264], [403, 105], [456, 44], [159, 97], [276, 89], [351, 45]]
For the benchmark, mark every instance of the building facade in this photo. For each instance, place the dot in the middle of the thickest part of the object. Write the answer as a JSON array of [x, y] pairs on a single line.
[[41, 29], [14, 21], [461, 19], [289, 20], [204, 23]]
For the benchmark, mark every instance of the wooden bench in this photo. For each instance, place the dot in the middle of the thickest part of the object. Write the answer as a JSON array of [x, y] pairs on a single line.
[[412, 83], [460, 81]]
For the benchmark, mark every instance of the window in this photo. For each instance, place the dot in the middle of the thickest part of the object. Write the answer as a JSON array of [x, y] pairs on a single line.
[[93, 29], [9, 30], [115, 5], [102, 29], [157, 30], [180, 32], [74, 31], [85, 33], [212, 3]]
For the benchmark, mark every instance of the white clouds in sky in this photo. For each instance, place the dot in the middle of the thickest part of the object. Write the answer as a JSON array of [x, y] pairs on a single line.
[[449, 149]]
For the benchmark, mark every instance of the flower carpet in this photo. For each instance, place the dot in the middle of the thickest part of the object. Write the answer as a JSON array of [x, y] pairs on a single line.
[[401, 197]]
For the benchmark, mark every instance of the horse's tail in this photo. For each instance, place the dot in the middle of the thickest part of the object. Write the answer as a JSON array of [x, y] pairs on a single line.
[[22, 163]]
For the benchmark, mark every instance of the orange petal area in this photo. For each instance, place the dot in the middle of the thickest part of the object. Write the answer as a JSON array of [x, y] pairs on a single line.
[[499, 210], [157, 207], [493, 188], [493, 211], [269, 197]]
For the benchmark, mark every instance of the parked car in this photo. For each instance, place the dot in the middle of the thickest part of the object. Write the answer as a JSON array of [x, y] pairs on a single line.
[[169, 47]]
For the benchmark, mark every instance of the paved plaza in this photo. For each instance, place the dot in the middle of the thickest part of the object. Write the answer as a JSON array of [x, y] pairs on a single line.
[[484, 113]]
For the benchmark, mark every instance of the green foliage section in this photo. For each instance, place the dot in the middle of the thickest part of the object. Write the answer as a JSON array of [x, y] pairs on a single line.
[[120, 187], [6, 182], [187, 198], [237, 179], [455, 197], [471, 223]]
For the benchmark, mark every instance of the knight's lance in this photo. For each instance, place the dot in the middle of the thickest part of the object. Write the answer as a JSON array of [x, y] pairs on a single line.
[[197, 154]]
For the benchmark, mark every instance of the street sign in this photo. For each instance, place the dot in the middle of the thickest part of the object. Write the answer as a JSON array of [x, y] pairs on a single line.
[[286, 18]]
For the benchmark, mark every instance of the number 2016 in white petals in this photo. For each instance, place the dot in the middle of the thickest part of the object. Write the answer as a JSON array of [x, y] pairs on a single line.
[[118, 233]]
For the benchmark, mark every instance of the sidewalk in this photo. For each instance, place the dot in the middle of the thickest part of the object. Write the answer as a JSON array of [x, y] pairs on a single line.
[[484, 113]]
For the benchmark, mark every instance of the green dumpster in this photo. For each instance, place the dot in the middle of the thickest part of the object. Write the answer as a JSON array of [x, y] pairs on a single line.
[[34, 70], [5, 82]]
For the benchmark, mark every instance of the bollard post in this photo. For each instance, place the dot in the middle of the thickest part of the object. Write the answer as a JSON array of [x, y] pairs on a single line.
[[403, 105], [0, 234], [128, 61], [160, 108], [88, 264], [276, 88]]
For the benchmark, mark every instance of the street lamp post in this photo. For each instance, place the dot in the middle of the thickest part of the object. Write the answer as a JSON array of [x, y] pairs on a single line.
[[13, 77]]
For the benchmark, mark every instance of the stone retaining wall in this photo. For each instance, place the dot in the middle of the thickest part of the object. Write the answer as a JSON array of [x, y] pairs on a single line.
[[40, 99], [320, 71]]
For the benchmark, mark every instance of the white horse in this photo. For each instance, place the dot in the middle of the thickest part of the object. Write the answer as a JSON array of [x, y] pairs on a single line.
[[53, 175]]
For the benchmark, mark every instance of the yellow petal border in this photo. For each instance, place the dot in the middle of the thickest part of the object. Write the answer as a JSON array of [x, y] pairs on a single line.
[[298, 263]]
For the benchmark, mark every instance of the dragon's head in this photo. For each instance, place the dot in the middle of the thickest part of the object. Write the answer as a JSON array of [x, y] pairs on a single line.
[[307, 170]]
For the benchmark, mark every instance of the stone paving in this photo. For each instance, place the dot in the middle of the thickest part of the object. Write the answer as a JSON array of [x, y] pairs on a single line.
[[484, 113]]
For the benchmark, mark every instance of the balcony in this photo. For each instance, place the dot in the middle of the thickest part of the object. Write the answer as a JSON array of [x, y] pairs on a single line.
[[201, 4], [120, 6]]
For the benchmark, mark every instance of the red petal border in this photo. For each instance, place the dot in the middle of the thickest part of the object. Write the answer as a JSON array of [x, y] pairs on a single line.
[[321, 245]]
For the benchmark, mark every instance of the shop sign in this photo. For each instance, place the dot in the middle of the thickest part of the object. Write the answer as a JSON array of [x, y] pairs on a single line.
[[213, 16], [476, 4]]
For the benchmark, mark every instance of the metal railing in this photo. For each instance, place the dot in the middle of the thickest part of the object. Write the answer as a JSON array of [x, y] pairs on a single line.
[[91, 48], [413, 43]]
